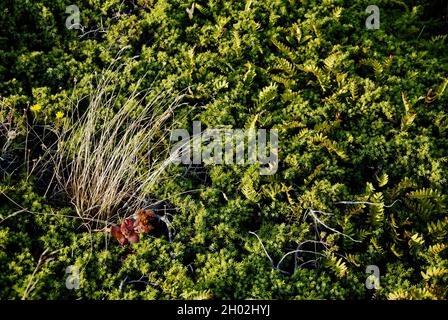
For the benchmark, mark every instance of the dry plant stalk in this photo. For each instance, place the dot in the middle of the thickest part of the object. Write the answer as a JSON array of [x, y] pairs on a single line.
[[107, 163]]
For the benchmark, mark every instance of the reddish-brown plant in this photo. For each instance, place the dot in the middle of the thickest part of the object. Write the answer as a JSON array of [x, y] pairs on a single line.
[[130, 228]]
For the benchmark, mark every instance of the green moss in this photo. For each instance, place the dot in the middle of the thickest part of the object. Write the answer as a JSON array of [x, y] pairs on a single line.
[[352, 106]]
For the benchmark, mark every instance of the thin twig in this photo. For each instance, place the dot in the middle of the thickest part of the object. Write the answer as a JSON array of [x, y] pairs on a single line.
[[296, 251], [369, 203], [316, 219], [32, 284], [265, 251]]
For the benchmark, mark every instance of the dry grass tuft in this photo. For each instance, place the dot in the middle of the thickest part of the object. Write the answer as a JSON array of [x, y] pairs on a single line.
[[108, 159]]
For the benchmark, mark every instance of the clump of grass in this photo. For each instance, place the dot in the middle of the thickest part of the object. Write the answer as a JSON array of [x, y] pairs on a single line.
[[107, 160]]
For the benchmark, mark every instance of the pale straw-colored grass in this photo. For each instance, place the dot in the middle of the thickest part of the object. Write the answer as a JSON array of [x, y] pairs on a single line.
[[108, 159]]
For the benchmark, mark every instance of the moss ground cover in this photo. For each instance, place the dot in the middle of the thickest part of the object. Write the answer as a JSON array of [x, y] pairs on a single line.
[[362, 173]]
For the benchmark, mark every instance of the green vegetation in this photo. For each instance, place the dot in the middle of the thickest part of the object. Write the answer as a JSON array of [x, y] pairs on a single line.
[[362, 120]]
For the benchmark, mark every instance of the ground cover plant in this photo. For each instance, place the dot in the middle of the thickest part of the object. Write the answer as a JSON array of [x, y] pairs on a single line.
[[86, 115]]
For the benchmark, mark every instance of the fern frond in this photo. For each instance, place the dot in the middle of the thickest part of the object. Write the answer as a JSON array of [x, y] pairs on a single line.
[[198, 295], [407, 119], [399, 294], [377, 68], [302, 133], [271, 190], [377, 212], [236, 42], [388, 62], [356, 210], [375, 65], [341, 80], [295, 29], [251, 121], [220, 84], [282, 47], [442, 122], [425, 193], [312, 68], [404, 184], [335, 264], [314, 174], [412, 294], [284, 65], [331, 60], [353, 87], [442, 88], [437, 248], [362, 234], [287, 125], [285, 81], [406, 103], [440, 37], [330, 145], [337, 12], [377, 247], [394, 225], [383, 179], [353, 259], [267, 94], [394, 251], [416, 239], [201, 9], [430, 97], [248, 188], [439, 226], [250, 73], [289, 95], [424, 207], [434, 272]]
